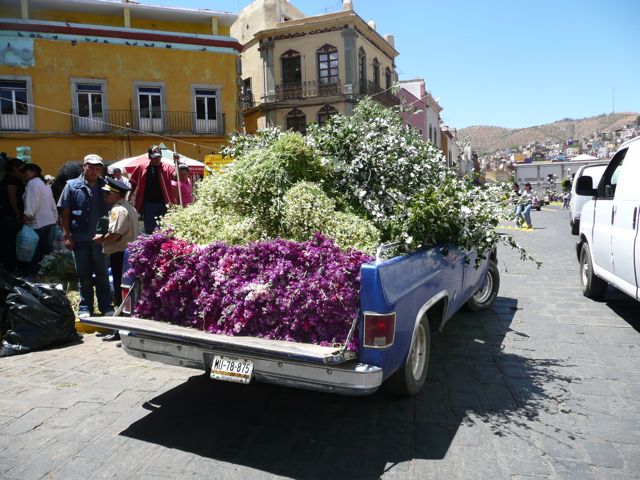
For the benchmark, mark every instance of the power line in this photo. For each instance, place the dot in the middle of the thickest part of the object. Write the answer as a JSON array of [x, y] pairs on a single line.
[[123, 127]]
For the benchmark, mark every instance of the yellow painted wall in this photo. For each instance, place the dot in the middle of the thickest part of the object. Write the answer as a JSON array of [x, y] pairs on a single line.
[[57, 62]]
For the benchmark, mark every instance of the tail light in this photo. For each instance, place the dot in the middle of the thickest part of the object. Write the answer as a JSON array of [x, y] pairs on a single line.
[[379, 329]]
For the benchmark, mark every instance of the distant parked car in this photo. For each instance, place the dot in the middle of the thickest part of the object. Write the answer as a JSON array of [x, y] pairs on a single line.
[[576, 203]]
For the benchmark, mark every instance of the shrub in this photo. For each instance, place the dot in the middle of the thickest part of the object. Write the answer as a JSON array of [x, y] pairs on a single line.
[[58, 267]]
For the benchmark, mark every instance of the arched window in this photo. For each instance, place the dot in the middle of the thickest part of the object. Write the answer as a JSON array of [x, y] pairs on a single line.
[[430, 133], [291, 75], [291, 69], [325, 112], [327, 65], [362, 70], [296, 121], [376, 72], [388, 79]]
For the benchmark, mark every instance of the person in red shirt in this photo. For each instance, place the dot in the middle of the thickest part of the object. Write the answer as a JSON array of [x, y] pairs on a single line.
[[151, 188]]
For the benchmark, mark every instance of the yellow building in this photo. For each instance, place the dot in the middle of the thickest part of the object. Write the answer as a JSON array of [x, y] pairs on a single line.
[[112, 78], [298, 70]]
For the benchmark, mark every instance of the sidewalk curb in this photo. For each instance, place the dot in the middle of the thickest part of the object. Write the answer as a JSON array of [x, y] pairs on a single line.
[[84, 328]]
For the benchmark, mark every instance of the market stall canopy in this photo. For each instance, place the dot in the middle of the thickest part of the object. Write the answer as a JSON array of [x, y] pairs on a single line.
[[583, 157], [128, 165]]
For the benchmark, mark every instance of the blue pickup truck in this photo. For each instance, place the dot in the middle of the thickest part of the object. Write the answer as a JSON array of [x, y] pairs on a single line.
[[403, 300]]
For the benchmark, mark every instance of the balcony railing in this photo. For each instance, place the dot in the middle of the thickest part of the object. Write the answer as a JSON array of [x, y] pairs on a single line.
[[289, 91], [14, 122], [246, 101], [122, 121], [382, 95]]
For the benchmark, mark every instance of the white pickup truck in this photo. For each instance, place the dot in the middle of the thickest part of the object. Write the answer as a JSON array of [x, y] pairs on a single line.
[[609, 244]]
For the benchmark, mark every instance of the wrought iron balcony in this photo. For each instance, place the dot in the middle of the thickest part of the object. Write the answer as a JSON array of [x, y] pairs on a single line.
[[247, 101], [313, 88], [382, 95], [127, 121]]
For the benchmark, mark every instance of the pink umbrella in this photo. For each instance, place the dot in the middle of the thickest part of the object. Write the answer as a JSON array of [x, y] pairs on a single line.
[[128, 165]]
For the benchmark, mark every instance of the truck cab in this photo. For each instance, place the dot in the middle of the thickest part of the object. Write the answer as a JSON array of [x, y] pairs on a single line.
[[609, 248]]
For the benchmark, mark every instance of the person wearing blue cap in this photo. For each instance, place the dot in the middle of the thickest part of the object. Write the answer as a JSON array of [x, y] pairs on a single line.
[[123, 228]]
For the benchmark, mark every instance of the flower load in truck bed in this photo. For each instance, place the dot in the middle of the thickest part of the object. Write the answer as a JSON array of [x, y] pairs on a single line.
[[298, 291], [273, 246]]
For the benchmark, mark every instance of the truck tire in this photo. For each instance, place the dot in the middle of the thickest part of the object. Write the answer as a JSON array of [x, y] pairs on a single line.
[[592, 287], [484, 298], [410, 377]]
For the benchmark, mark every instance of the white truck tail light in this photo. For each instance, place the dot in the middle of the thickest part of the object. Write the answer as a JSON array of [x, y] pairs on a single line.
[[379, 329]]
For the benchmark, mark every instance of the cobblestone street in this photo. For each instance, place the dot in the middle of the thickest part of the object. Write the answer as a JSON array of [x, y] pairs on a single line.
[[544, 385]]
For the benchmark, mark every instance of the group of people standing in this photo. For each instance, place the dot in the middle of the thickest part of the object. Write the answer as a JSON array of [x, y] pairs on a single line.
[[98, 217], [25, 199]]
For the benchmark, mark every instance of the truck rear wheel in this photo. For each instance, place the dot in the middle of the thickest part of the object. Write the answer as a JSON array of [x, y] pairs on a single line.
[[410, 378], [484, 298], [592, 287]]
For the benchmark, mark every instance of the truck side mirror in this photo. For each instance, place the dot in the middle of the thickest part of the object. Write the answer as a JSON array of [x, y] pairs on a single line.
[[584, 186]]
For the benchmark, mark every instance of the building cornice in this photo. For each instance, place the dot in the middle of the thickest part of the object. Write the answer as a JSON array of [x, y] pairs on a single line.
[[326, 23], [66, 31]]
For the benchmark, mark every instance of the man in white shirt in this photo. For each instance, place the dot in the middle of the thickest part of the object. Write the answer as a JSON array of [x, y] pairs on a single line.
[[40, 211]]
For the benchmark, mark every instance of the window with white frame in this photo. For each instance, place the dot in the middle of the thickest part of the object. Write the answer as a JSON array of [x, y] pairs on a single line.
[[14, 104], [150, 108], [89, 105], [206, 110]]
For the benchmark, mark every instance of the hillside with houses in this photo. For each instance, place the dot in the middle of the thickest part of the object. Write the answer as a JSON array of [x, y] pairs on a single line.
[[489, 140]]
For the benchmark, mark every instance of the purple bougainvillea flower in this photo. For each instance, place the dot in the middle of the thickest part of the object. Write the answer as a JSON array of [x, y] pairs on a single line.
[[279, 289]]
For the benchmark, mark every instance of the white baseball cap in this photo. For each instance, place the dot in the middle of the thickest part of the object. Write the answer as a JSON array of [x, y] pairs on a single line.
[[93, 159]]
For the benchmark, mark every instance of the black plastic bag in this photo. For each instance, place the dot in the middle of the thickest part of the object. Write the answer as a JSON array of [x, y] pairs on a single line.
[[34, 316]]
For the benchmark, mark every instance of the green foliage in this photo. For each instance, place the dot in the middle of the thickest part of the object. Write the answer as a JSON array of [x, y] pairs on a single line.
[[307, 210], [360, 179], [259, 178], [377, 163], [58, 267], [351, 231], [240, 143]]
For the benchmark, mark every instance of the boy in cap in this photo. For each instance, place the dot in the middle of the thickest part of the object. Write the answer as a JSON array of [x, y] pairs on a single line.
[[151, 182], [123, 228], [81, 206]]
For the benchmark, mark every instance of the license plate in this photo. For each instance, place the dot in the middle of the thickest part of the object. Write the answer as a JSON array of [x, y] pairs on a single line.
[[231, 369]]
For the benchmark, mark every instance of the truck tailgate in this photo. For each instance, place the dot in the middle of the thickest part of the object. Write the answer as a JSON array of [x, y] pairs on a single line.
[[167, 331], [300, 365]]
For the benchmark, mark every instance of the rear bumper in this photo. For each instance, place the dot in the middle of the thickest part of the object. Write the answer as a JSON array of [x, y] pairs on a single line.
[[350, 378]]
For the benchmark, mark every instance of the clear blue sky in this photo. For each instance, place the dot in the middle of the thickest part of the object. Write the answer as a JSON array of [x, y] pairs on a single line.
[[507, 63]]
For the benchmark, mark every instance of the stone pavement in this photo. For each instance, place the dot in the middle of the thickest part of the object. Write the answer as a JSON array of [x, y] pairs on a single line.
[[545, 385]]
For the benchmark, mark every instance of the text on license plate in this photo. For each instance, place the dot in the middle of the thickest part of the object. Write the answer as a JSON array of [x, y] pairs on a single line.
[[231, 369]]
